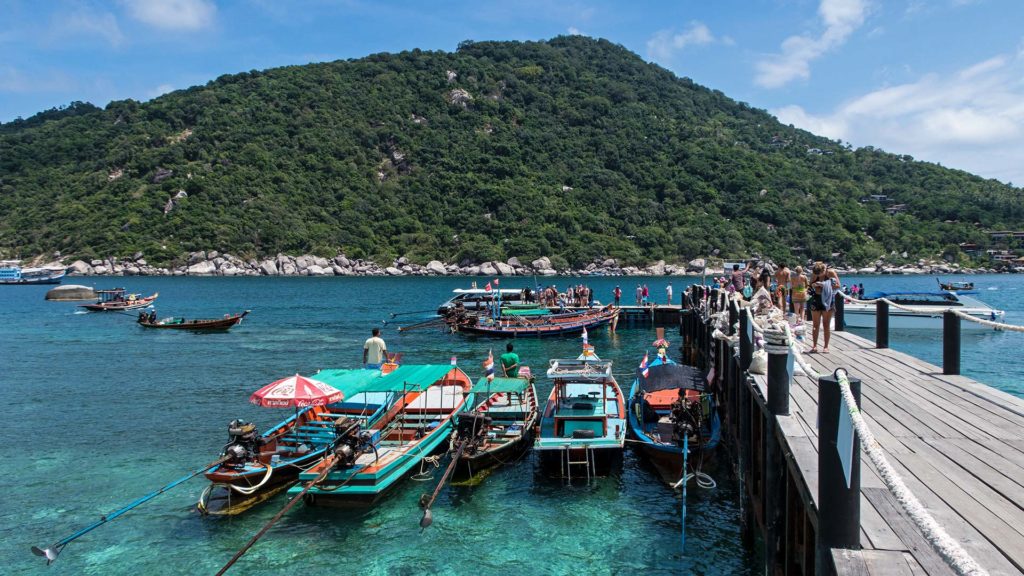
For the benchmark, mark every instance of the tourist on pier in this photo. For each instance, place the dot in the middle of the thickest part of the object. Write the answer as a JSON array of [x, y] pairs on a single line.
[[590, 297], [618, 295], [782, 286], [645, 295], [737, 278], [509, 362], [639, 294], [668, 292], [375, 351], [798, 283], [823, 287], [863, 294]]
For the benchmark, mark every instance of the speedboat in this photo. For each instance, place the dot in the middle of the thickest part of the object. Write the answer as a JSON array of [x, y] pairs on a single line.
[[924, 312], [475, 299]]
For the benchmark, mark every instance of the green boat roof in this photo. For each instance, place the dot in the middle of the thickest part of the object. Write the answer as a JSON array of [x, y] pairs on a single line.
[[408, 377], [526, 312], [500, 385]]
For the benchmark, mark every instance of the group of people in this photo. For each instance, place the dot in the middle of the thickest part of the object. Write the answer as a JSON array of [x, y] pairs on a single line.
[[643, 295], [579, 295], [793, 287]]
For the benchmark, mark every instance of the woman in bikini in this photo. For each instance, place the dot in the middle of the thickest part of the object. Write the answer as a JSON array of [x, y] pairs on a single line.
[[823, 287], [799, 296]]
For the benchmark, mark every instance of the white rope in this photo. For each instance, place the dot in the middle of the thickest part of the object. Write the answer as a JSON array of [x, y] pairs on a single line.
[[252, 489], [960, 313], [958, 558], [996, 325]]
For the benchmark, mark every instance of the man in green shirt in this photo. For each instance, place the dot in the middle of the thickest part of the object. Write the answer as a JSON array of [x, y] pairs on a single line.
[[509, 362]]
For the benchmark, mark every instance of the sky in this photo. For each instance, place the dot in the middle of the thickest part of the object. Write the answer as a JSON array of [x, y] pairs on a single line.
[[940, 80]]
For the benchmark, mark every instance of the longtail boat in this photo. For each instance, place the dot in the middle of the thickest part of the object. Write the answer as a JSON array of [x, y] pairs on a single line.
[[198, 324], [501, 427], [532, 322], [116, 299], [955, 285], [262, 465], [669, 409], [583, 427], [419, 423]]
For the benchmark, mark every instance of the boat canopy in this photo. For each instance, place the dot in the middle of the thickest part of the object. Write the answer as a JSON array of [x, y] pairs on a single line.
[[580, 369], [500, 385], [405, 378], [526, 312], [670, 376]]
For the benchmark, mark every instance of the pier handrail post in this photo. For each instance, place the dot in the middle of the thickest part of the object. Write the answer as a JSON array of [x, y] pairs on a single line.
[[746, 344], [950, 343], [881, 324], [838, 503], [840, 314], [734, 316], [779, 377]]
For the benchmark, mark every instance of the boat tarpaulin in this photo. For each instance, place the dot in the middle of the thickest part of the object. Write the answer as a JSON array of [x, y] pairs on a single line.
[[500, 385], [411, 377], [669, 376], [349, 381]]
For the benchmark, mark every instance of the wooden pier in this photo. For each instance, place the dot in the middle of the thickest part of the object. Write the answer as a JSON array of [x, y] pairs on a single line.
[[956, 443]]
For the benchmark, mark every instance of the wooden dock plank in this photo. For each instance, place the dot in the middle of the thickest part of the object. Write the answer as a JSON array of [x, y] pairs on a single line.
[[885, 503]]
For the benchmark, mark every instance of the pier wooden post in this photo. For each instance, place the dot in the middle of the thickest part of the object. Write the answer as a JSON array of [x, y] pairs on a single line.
[[838, 503], [840, 315], [881, 324], [747, 521], [779, 379], [746, 344], [734, 317], [950, 343]]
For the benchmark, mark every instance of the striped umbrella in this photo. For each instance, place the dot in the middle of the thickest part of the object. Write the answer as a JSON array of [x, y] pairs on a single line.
[[297, 391]]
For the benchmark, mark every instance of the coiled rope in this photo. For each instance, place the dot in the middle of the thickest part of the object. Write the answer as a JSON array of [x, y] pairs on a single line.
[[252, 489]]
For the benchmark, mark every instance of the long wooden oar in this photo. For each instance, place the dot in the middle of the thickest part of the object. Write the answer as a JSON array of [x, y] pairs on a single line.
[[428, 518], [54, 550], [430, 322], [332, 461], [393, 314]]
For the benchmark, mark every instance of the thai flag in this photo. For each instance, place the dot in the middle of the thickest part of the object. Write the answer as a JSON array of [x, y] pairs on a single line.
[[453, 361], [584, 335], [495, 282], [489, 366], [643, 366]]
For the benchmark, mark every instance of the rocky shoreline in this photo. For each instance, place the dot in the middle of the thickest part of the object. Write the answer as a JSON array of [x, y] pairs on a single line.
[[214, 263]]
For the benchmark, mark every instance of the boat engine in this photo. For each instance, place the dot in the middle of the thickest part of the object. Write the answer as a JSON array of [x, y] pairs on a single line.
[[351, 441], [686, 418], [472, 427], [243, 442]]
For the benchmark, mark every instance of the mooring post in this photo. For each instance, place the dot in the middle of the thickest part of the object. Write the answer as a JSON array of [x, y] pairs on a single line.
[[746, 343], [778, 378], [745, 472], [950, 343], [838, 502], [881, 324], [734, 317], [840, 315]]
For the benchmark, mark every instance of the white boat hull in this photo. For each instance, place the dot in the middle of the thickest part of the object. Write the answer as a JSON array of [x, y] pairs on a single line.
[[864, 317]]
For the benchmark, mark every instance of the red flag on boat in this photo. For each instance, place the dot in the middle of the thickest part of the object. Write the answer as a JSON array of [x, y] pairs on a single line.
[[495, 282], [297, 391], [488, 287]]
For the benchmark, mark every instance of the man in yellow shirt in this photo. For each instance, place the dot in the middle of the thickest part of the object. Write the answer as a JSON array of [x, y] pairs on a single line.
[[375, 351]]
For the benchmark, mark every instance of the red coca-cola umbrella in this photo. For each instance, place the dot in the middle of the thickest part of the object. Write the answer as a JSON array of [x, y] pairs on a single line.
[[297, 391]]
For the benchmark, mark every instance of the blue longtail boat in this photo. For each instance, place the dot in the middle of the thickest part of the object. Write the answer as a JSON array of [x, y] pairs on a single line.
[[583, 427], [670, 412], [418, 423]]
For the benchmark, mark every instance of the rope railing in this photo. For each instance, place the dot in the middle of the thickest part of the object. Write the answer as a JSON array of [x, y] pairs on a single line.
[[960, 313]]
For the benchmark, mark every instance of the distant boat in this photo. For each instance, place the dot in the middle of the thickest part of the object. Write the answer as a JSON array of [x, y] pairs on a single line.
[[198, 324], [666, 405], [925, 310], [115, 300], [501, 427], [538, 322], [11, 272], [955, 286], [583, 426], [474, 299]]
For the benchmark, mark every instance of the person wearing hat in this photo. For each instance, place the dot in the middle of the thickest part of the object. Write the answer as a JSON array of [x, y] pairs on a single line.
[[618, 295]]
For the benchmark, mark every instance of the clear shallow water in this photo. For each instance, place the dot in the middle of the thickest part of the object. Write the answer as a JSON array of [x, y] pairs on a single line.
[[100, 412]]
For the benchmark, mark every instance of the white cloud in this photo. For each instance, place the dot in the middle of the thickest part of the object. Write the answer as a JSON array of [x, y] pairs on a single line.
[[840, 17], [82, 23], [574, 31], [172, 14], [665, 43], [160, 90], [971, 119]]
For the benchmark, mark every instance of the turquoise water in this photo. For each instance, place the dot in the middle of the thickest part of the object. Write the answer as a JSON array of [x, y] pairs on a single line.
[[99, 412]]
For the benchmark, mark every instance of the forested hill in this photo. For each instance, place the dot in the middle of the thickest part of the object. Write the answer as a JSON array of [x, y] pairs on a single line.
[[571, 148]]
